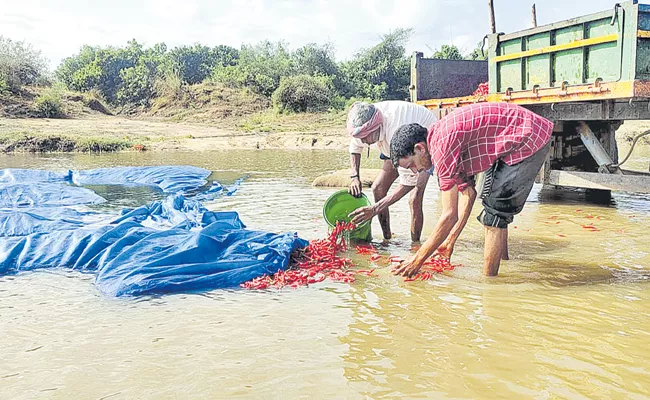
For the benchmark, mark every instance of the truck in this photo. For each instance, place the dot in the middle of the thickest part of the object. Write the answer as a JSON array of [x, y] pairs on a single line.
[[593, 69]]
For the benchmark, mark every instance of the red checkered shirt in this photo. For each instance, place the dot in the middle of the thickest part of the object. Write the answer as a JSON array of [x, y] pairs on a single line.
[[470, 139]]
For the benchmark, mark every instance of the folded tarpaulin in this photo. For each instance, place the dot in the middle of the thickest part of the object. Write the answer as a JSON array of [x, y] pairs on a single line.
[[45, 195], [169, 178], [131, 259], [15, 175], [16, 222], [165, 246]]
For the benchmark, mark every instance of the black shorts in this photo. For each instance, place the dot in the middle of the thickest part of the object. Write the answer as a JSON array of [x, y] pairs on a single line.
[[506, 188]]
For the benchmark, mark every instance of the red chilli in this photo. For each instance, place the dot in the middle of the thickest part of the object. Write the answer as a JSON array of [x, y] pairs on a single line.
[[317, 262]]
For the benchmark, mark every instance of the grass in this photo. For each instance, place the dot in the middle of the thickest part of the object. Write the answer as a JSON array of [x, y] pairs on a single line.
[[270, 121], [30, 143]]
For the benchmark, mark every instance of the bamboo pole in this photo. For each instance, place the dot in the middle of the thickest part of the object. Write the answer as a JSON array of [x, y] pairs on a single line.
[[534, 16]]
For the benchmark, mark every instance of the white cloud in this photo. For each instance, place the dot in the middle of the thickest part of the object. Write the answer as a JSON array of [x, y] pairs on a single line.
[[60, 27]]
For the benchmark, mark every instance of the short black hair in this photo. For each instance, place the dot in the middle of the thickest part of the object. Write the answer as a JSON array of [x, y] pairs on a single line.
[[403, 142]]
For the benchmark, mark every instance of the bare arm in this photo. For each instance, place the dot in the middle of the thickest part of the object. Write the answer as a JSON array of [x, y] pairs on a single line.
[[466, 202], [355, 163], [363, 214], [355, 184], [445, 224]]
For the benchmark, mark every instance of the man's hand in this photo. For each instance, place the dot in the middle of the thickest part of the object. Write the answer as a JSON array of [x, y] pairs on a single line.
[[355, 187], [407, 268], [362, 214], [445, 250]]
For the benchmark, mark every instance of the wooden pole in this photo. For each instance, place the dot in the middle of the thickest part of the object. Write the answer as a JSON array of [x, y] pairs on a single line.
[[534, 16], [493, 26]]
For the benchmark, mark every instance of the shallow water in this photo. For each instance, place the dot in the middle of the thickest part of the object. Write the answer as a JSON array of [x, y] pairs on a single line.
[[568, 316]]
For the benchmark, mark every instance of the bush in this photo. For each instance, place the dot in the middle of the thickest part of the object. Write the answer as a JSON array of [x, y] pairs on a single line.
[[49, 103], [302, 93], [169, 85], [49, 106]]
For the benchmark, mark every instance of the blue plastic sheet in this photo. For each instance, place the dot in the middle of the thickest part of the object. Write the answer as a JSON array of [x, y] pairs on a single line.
[[45, 195], [23, 223], [131, 259], [165, 246], [170, 179], [13, 175]]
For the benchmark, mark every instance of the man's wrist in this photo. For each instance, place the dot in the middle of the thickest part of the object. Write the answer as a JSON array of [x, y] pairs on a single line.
[[375, 209]]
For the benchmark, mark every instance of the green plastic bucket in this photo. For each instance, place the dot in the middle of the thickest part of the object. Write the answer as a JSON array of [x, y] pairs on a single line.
[[339, 205]]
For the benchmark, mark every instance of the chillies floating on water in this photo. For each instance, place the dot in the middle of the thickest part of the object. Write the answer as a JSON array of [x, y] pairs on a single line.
[[591, 228], [314, 264], [367, 249]]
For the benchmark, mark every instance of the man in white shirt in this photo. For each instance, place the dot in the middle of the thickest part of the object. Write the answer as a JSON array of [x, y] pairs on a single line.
[[376, 123]]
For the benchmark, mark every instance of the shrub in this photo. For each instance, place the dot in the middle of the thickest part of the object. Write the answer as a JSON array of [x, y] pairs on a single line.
[[303, 93], [49, 106], [169, 84]]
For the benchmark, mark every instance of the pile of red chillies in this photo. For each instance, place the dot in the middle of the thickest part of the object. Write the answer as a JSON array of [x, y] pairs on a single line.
[[316, 263], [482, 90]]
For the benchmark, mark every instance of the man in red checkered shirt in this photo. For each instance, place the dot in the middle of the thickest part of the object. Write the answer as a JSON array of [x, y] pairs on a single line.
[[507, 142]]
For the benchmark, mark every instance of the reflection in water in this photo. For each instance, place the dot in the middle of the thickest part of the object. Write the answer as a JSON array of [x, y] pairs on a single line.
[[567, 317]]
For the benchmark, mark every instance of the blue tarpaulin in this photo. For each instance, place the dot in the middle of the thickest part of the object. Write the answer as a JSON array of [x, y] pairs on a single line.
[[45, 195], [170, 179], [13, 175], [166, 246]]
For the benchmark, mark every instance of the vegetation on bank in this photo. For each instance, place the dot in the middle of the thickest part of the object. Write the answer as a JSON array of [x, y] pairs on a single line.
[[31, 143], [136, 79], [265, 87]]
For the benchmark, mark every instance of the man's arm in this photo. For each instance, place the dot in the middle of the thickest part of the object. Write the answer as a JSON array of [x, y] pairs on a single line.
[[355, 184], [363, 214], [466, 202], [445, 224]]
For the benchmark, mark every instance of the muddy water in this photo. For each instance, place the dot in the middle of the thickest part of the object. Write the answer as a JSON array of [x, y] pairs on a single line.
[[568, 317]]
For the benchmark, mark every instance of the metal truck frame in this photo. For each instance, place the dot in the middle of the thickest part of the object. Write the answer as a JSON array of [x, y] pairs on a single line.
[[593, 69]]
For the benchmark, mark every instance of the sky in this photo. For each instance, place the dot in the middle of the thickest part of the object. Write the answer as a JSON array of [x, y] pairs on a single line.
[[60, 27]]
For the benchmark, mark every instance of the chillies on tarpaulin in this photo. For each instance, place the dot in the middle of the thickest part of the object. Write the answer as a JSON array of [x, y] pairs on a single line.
[[318, 261]]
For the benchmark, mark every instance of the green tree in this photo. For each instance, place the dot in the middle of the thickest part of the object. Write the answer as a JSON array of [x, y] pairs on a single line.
[[477, 54], [115, 72], [20, 64], [316, 60], [380, 72], [448, 52], [260, 67], [195, 63]]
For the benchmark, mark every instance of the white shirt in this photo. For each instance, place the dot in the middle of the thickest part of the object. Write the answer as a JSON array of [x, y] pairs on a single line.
[[397, 113]]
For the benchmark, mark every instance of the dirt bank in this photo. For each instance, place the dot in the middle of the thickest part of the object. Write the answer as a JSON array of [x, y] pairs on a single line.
[[119, 133]]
